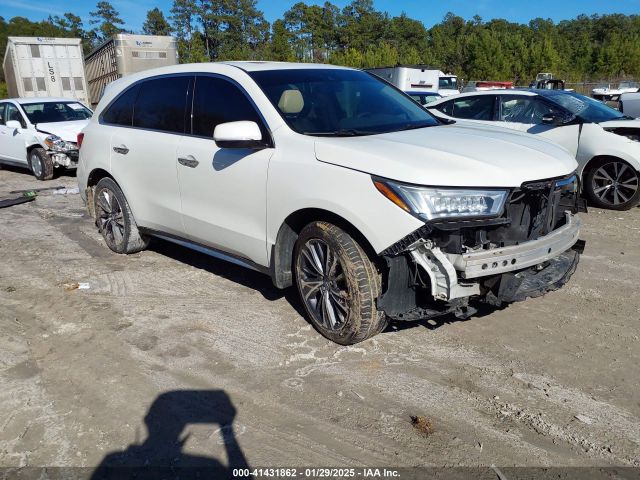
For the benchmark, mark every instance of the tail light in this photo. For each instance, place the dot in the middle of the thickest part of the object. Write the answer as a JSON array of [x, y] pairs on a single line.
[[80, 138]]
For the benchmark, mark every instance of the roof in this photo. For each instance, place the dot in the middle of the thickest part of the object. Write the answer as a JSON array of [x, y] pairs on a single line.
[[257, 66], [44, 40], [24, 101]]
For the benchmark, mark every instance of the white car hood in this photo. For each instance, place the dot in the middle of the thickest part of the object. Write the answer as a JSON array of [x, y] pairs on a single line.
[[68, 131], [452, 155], [621, 123]]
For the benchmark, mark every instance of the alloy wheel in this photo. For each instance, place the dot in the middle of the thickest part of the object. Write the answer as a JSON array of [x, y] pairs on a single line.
[[110, 217], [615, 183], [323, 285], [36, 165]]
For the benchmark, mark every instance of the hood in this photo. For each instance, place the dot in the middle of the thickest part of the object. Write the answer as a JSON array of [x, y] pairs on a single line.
[[620, 124], [68, 131], [452, 155]]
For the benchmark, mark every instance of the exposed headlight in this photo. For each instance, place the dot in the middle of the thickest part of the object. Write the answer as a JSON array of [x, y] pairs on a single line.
[[432, 203], [57, 144]]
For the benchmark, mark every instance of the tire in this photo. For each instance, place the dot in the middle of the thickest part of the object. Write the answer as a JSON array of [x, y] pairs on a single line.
[[40, 164], [114, 219], [338, 284], [612, 183]]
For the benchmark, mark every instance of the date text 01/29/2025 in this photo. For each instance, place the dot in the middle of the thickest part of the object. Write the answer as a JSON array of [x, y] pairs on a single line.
[[316, 473]]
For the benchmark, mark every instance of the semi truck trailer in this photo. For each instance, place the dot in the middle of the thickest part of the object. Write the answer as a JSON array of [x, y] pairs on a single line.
[[125, 54], [45, 67]]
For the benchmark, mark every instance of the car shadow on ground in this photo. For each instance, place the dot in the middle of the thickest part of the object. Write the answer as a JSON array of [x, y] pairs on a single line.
[[235, 273], [58, 173], [162, 455]]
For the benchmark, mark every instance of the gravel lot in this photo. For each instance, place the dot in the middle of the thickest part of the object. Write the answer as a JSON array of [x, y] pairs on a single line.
[[553, 381]]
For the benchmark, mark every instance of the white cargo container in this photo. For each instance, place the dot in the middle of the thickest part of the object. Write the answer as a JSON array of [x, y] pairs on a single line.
[[45, 67], [418, 78], [125, 54]]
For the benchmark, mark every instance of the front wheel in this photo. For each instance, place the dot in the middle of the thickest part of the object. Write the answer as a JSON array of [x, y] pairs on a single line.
[[612, 183], [40, 164], [115, 220], [338, 284]]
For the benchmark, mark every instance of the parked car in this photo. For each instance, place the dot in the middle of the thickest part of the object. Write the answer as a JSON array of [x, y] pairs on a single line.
[[331, 180], [604, 141], [424, 98], [606, 93], [629, 104], [40, 133], [480, 86]]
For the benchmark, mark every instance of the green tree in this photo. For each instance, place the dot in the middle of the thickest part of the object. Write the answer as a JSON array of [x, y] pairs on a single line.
[[280, 47], [156, 24], [107, 20]]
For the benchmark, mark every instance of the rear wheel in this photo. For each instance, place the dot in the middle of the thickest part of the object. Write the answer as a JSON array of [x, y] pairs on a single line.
[[115, 220], [40, 164], [612, 183], [338, 284]]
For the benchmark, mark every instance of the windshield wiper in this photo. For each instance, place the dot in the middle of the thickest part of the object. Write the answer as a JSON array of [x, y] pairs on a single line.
[[343, 132], [415, 127]]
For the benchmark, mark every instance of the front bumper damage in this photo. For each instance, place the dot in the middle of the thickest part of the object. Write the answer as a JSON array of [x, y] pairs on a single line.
[[442, 269], [66, 160]]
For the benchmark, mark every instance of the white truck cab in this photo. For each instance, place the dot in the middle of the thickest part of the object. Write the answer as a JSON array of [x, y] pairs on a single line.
[[41, 133], [417, 78]]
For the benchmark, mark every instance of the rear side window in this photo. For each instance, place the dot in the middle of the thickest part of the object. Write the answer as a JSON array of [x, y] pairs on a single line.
[[446, 108], [217, 101], [120, 112], [161, 104], [481, 107], [2, 107]]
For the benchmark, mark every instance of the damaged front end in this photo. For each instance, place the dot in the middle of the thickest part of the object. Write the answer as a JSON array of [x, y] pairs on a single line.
[[447, 266], [62, 153]]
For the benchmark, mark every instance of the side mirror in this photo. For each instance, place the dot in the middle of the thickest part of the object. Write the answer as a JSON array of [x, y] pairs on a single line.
[[13, 124], [243, 134]]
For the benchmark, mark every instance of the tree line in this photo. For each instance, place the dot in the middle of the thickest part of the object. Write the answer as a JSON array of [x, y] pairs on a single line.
[[358, 35]]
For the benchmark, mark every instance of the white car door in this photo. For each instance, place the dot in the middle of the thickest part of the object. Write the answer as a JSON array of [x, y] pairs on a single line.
[[12, 140], [525, 113], [480, 109], [223, 190], [148, 124]]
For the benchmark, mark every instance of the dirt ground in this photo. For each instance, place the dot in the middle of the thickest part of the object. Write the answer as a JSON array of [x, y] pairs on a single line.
[[171, 354]]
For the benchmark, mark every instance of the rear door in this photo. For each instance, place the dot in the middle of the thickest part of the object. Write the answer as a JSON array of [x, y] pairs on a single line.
[[143, 155], [13, 145], [223, 190]]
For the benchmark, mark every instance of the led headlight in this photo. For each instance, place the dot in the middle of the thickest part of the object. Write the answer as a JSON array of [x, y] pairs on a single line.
[[57, 144], [432, 203]]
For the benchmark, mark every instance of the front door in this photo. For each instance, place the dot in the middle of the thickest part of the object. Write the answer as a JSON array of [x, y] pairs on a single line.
[[223, 190], [12, 140]]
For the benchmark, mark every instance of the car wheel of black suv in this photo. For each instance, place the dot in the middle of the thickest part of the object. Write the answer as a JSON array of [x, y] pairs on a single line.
[[40, 164], [338, 284], [115, 220], [612, 183]]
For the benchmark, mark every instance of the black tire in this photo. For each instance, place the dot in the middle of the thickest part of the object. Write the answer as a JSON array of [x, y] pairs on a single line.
[[612, 183], [114, 219], [351, 284], [40, 164]]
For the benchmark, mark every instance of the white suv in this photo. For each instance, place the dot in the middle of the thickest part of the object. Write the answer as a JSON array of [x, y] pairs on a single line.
[[332, 180], [41, 133]]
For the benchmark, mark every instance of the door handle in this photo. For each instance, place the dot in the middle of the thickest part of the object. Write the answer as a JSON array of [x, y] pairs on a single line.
[[188, 161], [122, 149]]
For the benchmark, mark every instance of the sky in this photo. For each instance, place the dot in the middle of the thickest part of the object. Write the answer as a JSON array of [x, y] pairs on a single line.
[[133, 12]]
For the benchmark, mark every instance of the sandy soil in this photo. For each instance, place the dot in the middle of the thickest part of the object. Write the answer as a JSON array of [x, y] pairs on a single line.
[[171, 353]]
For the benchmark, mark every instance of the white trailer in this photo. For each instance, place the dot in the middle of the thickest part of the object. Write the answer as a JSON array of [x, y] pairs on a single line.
[[418, 78], [125, 54], [45, 67]]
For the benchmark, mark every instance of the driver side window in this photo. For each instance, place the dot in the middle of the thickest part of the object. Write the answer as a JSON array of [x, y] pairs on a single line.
[[12, 113]]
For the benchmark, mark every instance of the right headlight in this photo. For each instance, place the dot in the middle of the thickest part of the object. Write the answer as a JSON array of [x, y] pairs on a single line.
[[432, 203]]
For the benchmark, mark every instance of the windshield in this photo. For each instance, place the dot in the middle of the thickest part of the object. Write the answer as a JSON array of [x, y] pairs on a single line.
[[586, 108], [50, 112], [340, 102], [448, 83]]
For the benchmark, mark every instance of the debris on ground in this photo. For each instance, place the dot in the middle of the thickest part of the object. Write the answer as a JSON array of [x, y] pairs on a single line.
[[76, 286], [17, 200], [66, 191], [584, 419], [37, 190], [422, 424]]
